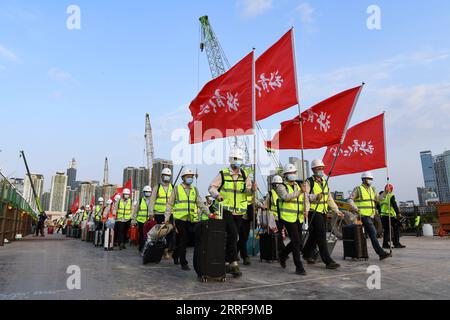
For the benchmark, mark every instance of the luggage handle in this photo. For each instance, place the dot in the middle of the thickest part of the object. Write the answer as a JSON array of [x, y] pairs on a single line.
[[334, 227]]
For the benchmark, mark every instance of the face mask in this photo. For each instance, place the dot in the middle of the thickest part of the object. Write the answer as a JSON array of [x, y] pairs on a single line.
[[237, 165], [292, 177], [189, 181], [369, 182], [126, 196], [320, 174], [147, 194], [166, 178]]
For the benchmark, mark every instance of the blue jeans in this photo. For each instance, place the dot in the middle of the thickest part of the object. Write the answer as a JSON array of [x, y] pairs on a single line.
[[370, 229]]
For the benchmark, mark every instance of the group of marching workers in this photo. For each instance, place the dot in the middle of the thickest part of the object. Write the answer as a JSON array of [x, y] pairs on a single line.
[[290, 203]]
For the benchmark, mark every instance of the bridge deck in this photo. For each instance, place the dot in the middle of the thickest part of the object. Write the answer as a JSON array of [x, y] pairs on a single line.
[[35, 268]]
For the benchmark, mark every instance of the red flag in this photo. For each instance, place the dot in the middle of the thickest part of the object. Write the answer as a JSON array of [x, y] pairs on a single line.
[[92, 202], [75, 205], [323, 125], [129, 186], [276, 82], [364, 149], [224, 107], [119, 192]]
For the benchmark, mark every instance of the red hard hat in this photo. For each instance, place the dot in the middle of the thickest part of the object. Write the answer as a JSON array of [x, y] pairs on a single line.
[[389, 188]]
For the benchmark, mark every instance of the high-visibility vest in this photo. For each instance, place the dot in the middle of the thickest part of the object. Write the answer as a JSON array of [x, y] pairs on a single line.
[[322, 205], [162, 198], [85, 215], [293, 210], [233, 192], [185, 208], [417, 222], [386, 207], [98, 213], [143, 214], [124, 211], [366, 201], [274, 203]]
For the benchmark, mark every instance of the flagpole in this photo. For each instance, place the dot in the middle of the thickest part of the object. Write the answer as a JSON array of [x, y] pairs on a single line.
[[388, 180], [254, 153], [302, 154]]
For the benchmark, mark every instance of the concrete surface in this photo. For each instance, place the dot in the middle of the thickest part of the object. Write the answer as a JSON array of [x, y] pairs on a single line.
[[35, 268]]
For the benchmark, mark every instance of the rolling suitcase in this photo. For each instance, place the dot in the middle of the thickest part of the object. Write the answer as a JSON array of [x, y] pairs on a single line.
[[109, 240], [50, 230], [84, 230], [209, 251], [270, 245], [98, 238], [153, 251], [355, 245]]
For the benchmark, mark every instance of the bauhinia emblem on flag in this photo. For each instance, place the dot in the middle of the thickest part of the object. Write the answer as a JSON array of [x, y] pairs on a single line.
[[363, 149], [276, 85], [224, 106], [323, 125]]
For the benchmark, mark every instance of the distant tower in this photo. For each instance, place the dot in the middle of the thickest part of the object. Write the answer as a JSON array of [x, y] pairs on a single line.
[[72, 175], [106, 173], [149, 146]]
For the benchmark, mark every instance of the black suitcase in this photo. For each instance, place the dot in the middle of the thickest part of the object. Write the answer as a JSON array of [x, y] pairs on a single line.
[[355, 244], [153, 251], [209, 251], [269, 246]]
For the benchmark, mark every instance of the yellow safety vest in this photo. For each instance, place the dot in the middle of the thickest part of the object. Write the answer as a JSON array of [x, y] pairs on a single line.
[[124, 211], [366, 201], [386, 207], [185, 208], [162, 198], [322, 205], [274, 203], [233, 192], [142, 215], [98, 213], [293, 210], [417, 221], [85, 215]]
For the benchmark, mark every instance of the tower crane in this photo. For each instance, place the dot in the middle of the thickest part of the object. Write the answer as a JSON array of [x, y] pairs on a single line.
[[218, 63], [149, 147]]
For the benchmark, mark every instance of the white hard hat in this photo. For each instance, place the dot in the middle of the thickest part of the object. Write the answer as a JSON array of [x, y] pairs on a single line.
[[109, 202], [289, 168], [186, 172], [367, 175], [317, 164], [166, 171], [117, 197], [236, 154], [126, 191], [101, 199], [147, 189], [277, 180]]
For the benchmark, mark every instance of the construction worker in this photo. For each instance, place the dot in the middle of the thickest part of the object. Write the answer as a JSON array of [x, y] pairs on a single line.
[[293, 208], [321, 201], [98, 213], [123, 212], [60, 224], [363, 202], [142, 214], [184, 203], [418, 225], [231, 187], [272, 202], [389, 208], [161, 195]]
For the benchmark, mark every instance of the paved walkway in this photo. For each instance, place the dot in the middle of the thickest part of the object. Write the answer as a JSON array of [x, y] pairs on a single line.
[[35, 268]]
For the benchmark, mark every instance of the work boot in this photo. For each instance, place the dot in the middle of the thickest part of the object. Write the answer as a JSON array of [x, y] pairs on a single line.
[[185, 267], [386, 246], [283, 262], [310, 260], [300, 271], [333, 266], [247, 261], [385, 255], [235, 271], [176, 261], [399, 246]]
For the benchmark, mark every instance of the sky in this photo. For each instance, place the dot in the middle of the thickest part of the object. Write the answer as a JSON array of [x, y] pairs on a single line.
[[84, 93]]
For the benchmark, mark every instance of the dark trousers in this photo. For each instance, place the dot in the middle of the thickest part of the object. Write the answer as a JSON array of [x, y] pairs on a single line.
[[233, 225], [59, 229], [369, 228], [317, 236], [295, 245], [182, 238], [141, 236], [244, 233], [122, 232], [280, 227], [419, 231], [396, 231], [40, 228]]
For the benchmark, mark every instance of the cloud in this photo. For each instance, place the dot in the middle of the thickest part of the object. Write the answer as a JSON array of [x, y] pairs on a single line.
[[253, 8], [306, 12], [8, 54], [60, 75]]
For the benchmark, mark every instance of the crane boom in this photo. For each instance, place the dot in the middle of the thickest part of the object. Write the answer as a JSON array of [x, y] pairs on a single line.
[[149, 147], [36, 198]]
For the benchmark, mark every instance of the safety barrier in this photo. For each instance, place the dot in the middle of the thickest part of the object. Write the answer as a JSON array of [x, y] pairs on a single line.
[[16, 214]]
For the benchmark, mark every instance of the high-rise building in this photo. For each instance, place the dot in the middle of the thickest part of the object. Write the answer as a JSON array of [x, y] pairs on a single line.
[[298, 164], [71, 196], [429, 175], [139, 178], [38, 182], [107, 191], [72, 175], [45, 201], [158, 166], [442, 173], [426, 196], [87, 191], [18, 183], [58, 192]]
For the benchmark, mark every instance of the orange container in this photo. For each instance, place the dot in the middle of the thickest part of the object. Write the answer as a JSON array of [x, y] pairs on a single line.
[[444, 216]]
